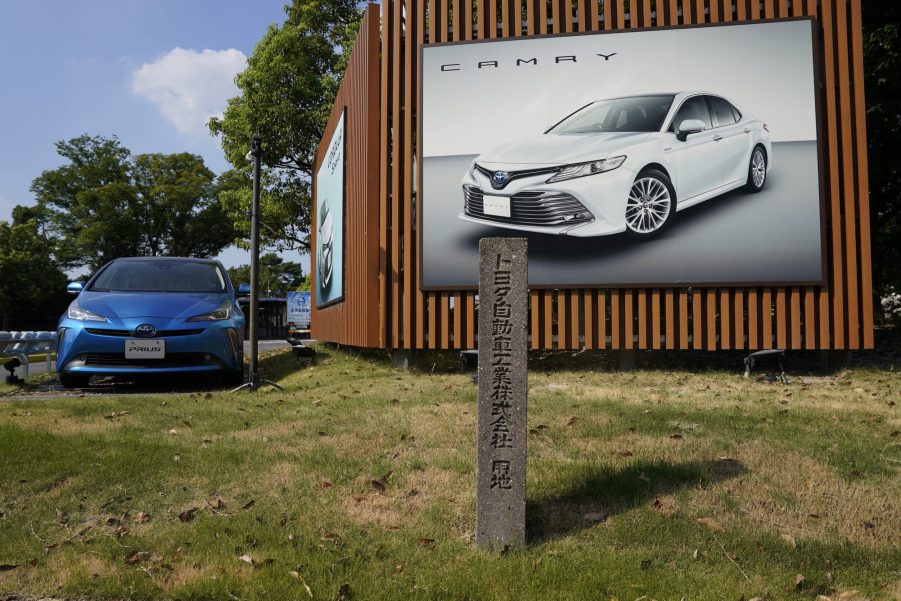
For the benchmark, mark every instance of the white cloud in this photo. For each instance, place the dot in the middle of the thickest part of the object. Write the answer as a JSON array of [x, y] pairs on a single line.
[[189, 87]]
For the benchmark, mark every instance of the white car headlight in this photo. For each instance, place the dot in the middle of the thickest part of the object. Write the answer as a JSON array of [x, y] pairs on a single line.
[[223, 312], [590, 168], [77, 312]]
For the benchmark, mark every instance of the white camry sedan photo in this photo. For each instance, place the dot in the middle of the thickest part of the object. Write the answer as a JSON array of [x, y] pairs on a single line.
[[620, 165]]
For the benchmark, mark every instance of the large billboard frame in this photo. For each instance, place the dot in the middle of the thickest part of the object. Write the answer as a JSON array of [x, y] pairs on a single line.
[[817, 62], [342, 119]]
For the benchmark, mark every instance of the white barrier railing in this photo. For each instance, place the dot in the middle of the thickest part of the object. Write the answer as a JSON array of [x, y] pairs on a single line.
[[23, 344]]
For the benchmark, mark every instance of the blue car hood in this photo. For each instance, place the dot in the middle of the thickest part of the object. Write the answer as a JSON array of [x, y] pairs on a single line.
[[165, 305]]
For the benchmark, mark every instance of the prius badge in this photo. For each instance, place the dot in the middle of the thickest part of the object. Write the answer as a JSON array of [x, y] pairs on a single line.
[[500, 178]]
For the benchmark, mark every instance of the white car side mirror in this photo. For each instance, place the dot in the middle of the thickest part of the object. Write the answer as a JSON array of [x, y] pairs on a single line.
[[688, 127]]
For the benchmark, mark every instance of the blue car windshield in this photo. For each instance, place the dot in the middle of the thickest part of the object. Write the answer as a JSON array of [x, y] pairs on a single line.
[[164, 275], [631, 114]]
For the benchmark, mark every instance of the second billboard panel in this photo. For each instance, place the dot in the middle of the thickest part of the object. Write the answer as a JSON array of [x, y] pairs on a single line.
[[667, 157]]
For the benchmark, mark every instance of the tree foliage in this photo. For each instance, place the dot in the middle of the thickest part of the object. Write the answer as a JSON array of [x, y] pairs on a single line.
[[882, 65], [32, 286], [276, 274], [286, 94], [104, 203]]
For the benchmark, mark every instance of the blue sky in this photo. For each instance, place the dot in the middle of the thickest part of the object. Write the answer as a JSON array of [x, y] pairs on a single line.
[[148, 71]]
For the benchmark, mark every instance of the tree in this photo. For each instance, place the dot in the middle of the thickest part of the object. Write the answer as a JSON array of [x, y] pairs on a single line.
[[287, 92], [882, 63], [276, 274], [104, 204], [32, 286]]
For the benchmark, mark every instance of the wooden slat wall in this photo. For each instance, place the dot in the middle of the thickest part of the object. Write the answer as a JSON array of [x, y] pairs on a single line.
[[355, 320], [837, 316]]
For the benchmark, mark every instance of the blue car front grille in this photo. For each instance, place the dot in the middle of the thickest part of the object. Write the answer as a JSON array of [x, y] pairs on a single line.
[[130, 333], [171, 360]]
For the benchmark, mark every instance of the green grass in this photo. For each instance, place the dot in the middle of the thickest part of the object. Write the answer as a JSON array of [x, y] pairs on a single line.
[[802, 479]]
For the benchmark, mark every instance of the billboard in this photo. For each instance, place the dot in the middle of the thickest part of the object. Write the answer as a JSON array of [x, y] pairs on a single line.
[[330, 221], [299, 310], [667, 157]]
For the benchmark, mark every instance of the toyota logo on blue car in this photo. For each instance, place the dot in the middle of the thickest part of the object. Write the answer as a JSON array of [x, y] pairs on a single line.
[[153, 316]]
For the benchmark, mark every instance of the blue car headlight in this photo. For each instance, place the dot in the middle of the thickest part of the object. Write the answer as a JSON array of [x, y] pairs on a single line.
[[221, 313], [589, 168], [79, 313]]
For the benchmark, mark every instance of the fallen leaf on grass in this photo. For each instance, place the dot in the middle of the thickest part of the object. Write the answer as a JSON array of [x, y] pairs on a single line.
[[325, 484], [711, 524], [378, 485], [595, 516], [6, 567], [426, 542], [188, 514], [173, 432], [676, 436], [142, 518], [248, 504], [571, 421], [789, 539], [296, 576], [399, 568], [344, 593], [136, 557], [246, 559], [176, 457], [626, 453], [330, 537]]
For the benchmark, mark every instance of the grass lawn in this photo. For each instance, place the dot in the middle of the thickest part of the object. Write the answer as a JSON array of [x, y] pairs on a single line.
[[357, 483]]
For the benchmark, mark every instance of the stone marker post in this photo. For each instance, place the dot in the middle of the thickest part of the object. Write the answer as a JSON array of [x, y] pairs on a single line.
[[503, 391]]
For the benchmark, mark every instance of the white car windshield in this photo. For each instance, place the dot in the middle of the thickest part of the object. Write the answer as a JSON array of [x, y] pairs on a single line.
[[163, 275], [630, 114]]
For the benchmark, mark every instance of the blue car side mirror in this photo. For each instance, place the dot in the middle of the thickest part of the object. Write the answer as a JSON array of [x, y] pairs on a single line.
[[75, 287], [244, 289]]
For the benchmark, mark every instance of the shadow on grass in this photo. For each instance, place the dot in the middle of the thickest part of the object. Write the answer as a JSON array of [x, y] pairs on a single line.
[[600, 493]]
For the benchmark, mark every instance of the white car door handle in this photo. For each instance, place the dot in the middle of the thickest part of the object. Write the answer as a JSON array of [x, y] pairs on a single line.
[[717, 138]]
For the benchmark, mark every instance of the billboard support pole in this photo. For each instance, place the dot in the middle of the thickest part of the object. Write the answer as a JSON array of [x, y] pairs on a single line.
[[254, 381]]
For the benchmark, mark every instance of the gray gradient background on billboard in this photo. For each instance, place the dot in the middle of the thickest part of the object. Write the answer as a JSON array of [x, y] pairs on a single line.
[[738, 237], [766, 68]]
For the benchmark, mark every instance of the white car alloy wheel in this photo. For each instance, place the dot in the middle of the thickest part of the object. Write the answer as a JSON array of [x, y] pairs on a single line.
[[757, 170], [650, 204]]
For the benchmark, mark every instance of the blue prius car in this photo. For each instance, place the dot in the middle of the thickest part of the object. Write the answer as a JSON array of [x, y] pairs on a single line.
[[155, 316]]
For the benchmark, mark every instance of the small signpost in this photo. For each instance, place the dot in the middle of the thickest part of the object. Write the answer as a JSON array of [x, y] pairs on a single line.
[[503, 393]]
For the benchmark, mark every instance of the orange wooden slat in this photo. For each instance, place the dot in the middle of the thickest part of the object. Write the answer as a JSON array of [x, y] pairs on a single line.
[[420, 310], [769, 10], [755, 9], [601, 319], [783, 8], [534, 320], [781, 317], [642, 319], [753, 321], [646, 13], [531, 17], [547, 301], [471, 324], [589, 303], [714, 11], [738, 319], [836, 285], [384, 170], [409, 242], [433, 319], [628, 320], [459, 320], [766, 319], [699, 16], [697, 319], [620, 10], [562, 323], [848, 191], [673, 12], [616, 320], [670, 318], [810, 322], [725, 320], [741, 13], [683, 320], [444, 334], [795, 300], [482, 17], [574, 319], [711, 322], [655, 319], [863, 185]]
